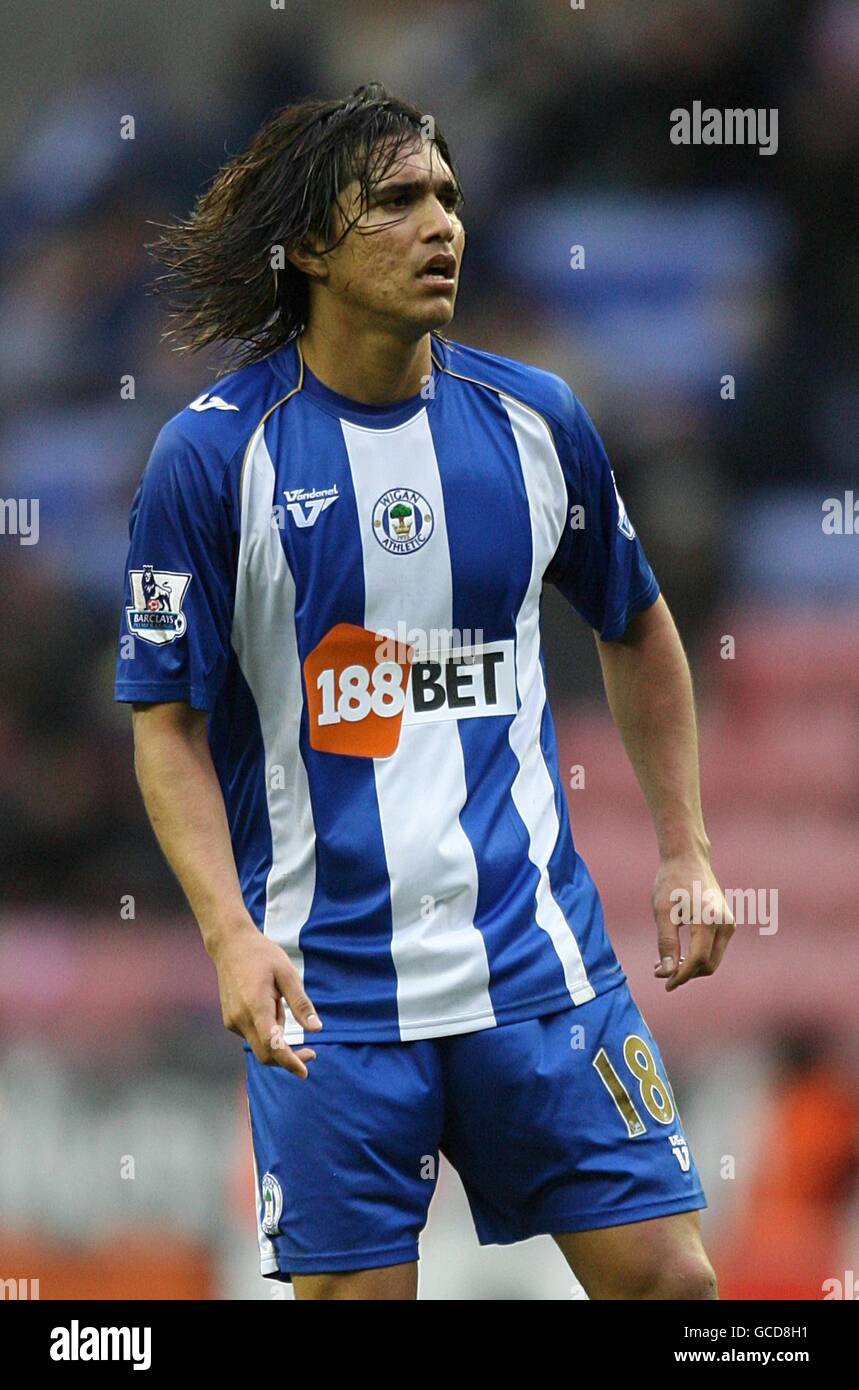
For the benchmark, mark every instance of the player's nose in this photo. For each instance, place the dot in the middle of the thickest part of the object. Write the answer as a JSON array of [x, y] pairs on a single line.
[[439, 222]]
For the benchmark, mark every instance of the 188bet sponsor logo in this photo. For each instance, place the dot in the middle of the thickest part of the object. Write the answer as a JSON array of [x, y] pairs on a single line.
[[358, 705]]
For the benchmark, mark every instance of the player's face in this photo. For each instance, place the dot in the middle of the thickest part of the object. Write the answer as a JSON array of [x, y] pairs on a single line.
[[399, 265]]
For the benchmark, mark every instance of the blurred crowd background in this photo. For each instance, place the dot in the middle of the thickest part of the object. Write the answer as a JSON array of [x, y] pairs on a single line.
[[701, 263]]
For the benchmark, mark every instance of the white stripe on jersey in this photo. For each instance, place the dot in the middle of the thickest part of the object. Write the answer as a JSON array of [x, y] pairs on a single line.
[[533, 791], [438, 953], [265, 604]]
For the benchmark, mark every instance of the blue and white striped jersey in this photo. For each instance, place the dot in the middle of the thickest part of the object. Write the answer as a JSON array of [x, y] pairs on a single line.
[[353, 594]]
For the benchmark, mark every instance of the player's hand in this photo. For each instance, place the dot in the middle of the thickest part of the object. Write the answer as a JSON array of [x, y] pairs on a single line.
[[678, 903], [254, 974]]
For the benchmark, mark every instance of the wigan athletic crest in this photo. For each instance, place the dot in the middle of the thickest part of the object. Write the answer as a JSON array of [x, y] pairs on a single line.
[[272, 1205], [156, 613], [402, 520]]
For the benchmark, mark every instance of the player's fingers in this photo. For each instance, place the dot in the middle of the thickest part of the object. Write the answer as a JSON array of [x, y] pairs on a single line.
[[668, 945], [278, 1052], [266, 1040], [257, 1044], [724, 932], [267, 1023], [289, 984], [284, 1056], [698, 956], [264, 1034], [267, 1020]]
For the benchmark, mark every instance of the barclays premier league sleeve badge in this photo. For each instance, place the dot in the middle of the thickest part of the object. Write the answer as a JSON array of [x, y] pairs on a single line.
[[156, 613]]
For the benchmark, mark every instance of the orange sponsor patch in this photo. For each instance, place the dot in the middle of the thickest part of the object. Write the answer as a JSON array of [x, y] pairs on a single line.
[[355, 702]]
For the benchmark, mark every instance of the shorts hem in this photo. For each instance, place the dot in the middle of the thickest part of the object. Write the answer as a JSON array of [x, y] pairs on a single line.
[[336, 1264], [597, 1220]]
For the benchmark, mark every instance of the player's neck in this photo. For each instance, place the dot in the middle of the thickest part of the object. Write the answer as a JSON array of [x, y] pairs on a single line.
[[371, 367]]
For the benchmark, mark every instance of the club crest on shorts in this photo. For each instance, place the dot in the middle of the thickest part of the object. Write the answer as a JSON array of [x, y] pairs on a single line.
[[272, 1205], [403, 520], [156, 613]]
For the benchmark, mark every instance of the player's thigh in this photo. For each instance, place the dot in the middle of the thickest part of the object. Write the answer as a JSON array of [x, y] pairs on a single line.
[[345, 1159], [393, 1282], [660, 1258], [566, 1123]]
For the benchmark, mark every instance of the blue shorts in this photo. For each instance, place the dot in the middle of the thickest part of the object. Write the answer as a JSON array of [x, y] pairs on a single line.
[[560, 1123]]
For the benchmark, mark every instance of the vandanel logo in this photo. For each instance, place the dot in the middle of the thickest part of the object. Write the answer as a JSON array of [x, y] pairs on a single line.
[[358, 704]]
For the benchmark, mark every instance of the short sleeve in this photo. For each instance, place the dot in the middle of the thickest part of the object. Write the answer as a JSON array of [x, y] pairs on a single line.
[[599, 566], [174, 641]]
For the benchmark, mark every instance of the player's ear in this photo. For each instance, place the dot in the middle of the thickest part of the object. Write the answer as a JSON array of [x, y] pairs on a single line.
[[309, 261]]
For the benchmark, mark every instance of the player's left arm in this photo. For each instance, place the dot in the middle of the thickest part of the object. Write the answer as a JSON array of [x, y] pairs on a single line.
[[649, 689]]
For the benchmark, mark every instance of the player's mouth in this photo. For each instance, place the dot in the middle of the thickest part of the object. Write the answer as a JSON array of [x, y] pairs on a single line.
[[440, 271]]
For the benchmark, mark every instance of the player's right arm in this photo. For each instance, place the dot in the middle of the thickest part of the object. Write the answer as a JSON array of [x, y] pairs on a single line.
[[185, 806], [601, 568], [173, 658]]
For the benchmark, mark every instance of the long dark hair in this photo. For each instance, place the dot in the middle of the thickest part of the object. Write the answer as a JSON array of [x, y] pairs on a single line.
[[221, 284]]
